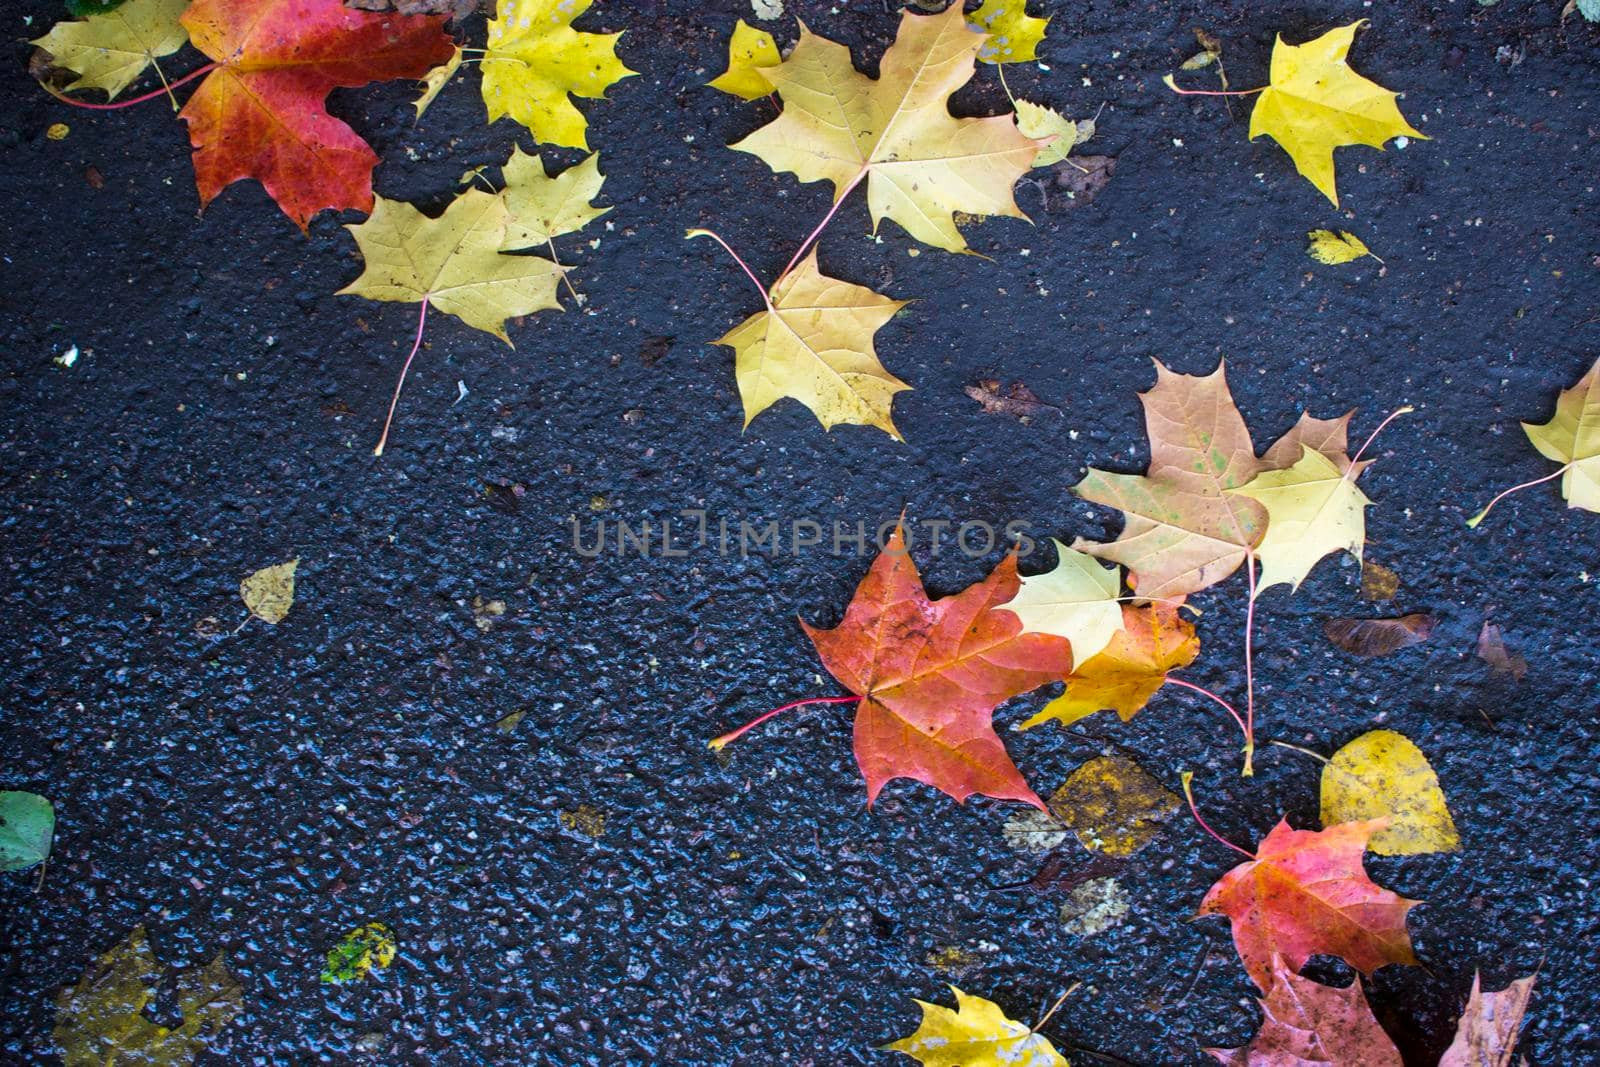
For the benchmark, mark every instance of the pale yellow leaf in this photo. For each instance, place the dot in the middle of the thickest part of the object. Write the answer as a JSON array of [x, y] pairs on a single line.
[[435, 80], [269, 592], [1325, 246], [1313, 508], [111, 49], [1043, 123], [976, 1034], [1077, 600], [543, 208], [1572, 437]]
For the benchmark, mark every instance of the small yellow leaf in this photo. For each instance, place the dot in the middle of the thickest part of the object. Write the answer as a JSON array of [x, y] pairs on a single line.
[[1014, 35], [1314, 508], [543, 208], [362, 949], [1040, 123], [749, 50], [109, 50], [535, 59], [976, 1034], [1382, 775], [269, 592], [1315, 103], [57, 131], [1077, 601], [1572, 437], [1325, 246], [435, 80], [1113, 805]]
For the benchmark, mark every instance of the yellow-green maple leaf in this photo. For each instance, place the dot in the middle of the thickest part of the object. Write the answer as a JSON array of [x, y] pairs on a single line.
[[543, 208], [1043, 123], [1326, 246], [452, 262], [749, 50], [435, 80], [1014, 35], [1077, 600], [1572, 437], [535, 59], [1314, 103], [814, 343], [1313, 508], [920, 163], [109, 50], [976, 1034]]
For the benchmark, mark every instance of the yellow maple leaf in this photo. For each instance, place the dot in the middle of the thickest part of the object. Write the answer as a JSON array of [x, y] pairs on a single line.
[[1325, 246], [976, 1034], [109, 50], [1314, 103], [1572, 437], [452, 262], [543, 208], [1077, 600], [1153, 640], [920, 163], [1383, 775], [1014, 35], [435, 80], [535, 59], [814, 343], [749, 50], [1043, 123], [1313, 508]]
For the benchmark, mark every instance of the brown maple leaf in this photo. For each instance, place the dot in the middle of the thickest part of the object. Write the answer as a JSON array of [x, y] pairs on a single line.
[[1306, 893], [931, 673], [1305, 1024], [1486, 1036]]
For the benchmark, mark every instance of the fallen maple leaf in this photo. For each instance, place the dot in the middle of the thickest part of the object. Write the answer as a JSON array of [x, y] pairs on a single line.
[[749, 51], [1305, 1024], [1184, 531], [1572, 439], [1315, 103], [261, 113], [920, 163], [543, 208], [976, 1034], [931, 673], [1077, 600], [1379, 637], [1325, 246], [1383, 775], [1314, 508], [1486, 1035], [1014, 35], [1153, 641], [535, 59], [108, 51], [1305, 893], [814, 344], [435, 80]]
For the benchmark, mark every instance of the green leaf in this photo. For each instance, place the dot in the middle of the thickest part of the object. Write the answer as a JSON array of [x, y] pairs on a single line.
[[362, 949], [27, 825]]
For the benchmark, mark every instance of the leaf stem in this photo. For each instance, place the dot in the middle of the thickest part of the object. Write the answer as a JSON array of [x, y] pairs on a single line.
[[1188, 794], [1062, 999], [837, 201], [1395, 414], [1302, 751], [746, 267], [551, 241], [720, 743], [422, 320], [1249, 668], [1480, 516], [165, 90], [1173, 85], [1229, 708], [1000, 69]]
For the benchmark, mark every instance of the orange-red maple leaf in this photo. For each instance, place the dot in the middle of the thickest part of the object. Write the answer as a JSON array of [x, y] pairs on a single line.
[[1306, 893], [1305, 1024], [931, 673], [261, 114]]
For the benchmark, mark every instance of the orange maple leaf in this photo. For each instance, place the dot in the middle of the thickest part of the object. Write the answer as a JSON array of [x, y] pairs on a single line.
[[931, 673], [1306, 893], [1154, 640], [261, 113]]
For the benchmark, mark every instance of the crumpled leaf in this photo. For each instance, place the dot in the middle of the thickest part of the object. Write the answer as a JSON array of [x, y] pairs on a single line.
[[1306, 1024], [1031, 830], [749, 50], [1306, 893], [99, 1021], [1383, 775], [453, 262], [1572, 438], [535, 59], [1094, 907], [1077, 600], [111, 49], [269, 592], [1016, 399], [543, 208], [261, 114], [1487, 1034], [1113, 805], [1379, 637], [1325, 246], [931, 673], [1315, 103], [920, 164], [1378, 582], [814, 343], [976, 1034], [27, 828], [1184, 531], [436, 79], [1014, 35], [1154, 640], [1314, 508], [1493, 651], [358, 952]]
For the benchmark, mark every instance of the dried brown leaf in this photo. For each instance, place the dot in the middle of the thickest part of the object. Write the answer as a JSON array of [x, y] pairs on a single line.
[[1378, 582], [1016, 399], [1492, 650], [1379, 637]]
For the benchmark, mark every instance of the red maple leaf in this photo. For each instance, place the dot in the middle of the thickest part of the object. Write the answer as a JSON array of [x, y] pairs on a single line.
[[1306, 893], [1305, 1024], [261, 113], [931, 673]]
